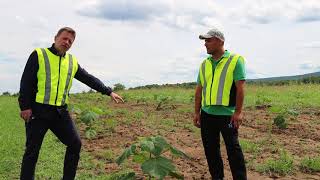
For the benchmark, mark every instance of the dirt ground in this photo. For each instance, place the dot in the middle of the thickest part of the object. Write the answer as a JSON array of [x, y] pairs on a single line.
[[301, 138]]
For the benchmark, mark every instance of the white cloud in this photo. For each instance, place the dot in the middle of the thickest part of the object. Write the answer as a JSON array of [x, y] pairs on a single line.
[[180, 14], [124, 10], [266, 11], [191, 14]]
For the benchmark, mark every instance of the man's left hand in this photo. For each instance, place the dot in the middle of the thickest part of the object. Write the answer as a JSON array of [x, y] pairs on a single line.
[[115, 97], [236, 119]]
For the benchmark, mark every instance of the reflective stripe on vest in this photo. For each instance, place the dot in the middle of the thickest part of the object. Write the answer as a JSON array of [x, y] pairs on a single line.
[[48, 77], [216, 87], [68, 79], [55, 77], [204, 86]]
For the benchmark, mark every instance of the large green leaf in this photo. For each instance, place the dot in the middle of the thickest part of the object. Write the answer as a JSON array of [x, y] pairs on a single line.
[[160, 144], [158, 167], [127, 152], [140, 158], [160, 141], [147, 145]]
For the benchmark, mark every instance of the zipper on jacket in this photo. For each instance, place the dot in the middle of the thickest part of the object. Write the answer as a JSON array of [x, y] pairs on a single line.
[[58, 82]]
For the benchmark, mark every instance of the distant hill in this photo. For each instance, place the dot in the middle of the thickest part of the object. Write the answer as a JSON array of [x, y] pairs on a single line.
[[285, 78]]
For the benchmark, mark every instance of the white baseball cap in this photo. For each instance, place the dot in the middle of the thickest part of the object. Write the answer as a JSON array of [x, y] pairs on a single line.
[[212, 33]]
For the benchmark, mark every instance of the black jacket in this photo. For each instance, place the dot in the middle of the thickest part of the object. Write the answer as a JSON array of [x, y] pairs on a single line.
[[29, 81]]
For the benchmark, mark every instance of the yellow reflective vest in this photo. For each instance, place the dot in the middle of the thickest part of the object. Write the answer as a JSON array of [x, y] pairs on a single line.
[[216, 87], [55, 77]]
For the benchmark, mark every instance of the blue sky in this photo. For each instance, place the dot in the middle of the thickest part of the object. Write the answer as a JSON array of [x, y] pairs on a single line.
[[156, 41]]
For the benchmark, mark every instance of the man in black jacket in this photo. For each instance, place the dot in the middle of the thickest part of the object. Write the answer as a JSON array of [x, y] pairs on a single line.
[[43, 99]]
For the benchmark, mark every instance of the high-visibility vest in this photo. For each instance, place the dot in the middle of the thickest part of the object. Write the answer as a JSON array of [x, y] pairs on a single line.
[[55, 77], [216, 88]]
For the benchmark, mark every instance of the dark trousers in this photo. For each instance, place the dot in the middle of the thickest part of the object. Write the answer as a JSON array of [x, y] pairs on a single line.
[[60, 123], [211, 126]]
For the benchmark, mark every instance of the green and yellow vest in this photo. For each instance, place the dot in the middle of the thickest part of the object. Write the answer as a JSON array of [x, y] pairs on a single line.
[[216, 87], [55, 77]]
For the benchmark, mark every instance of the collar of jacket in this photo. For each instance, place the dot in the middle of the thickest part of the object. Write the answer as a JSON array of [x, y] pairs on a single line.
[[55, 51]]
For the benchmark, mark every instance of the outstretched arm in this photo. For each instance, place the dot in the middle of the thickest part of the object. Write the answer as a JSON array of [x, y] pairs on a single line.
[[83, 76]]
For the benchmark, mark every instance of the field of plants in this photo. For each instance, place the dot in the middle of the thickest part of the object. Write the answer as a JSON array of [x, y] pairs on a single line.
[[152, 135]]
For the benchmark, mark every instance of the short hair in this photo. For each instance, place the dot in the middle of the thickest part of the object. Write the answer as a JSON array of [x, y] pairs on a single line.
[[68, 29]]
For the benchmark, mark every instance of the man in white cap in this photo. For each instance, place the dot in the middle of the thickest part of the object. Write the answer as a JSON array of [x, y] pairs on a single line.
[[218, 105]]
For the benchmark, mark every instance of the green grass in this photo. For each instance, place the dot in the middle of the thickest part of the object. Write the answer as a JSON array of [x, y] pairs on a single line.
[[282, 165], [11, 137], [138, 115], [309, 164], [249, 147], [154, 95], [106, 155], [110, 125], [293, 96], [252, 149], [168, 124]]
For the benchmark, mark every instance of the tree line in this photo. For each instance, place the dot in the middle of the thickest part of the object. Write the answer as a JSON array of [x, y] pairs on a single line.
[[192, 85], [305, 80]]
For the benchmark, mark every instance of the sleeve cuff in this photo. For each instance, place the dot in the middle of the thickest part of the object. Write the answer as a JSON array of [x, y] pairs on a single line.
[[107, 91]]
